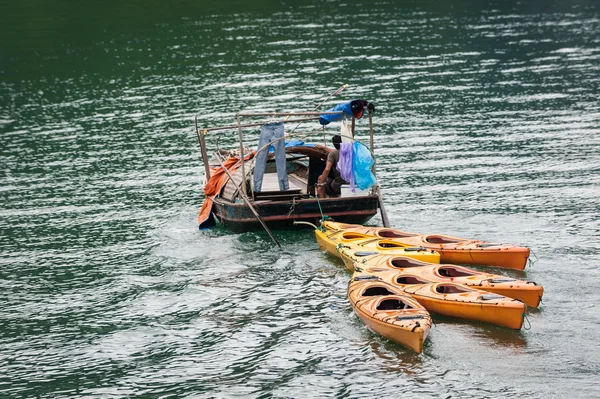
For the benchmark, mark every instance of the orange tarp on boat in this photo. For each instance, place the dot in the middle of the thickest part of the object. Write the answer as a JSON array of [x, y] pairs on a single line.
[[218, 178]]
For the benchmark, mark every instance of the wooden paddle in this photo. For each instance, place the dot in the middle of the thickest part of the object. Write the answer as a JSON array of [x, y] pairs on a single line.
[[247, 201]]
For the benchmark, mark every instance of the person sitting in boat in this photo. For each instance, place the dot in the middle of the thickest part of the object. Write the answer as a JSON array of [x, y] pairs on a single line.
[[325, 184]]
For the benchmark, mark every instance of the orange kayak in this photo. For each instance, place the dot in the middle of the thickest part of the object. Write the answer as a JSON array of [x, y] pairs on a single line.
[[374, 262], [454, 300], [451, 249], [390, 313], [331, 241]]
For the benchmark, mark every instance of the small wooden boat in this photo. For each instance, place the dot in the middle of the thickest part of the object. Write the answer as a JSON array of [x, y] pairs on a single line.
[[373, 262], [451, 249], [390, 313], [360, 242], [231, 195], [454, 300]]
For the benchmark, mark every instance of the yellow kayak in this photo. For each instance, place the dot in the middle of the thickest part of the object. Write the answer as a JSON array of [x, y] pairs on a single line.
[[375, 262], [331, 240], [454, 300], [389, 312], [451, 249]]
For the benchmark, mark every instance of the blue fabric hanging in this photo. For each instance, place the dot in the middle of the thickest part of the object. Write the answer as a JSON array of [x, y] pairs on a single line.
[[351, 108]]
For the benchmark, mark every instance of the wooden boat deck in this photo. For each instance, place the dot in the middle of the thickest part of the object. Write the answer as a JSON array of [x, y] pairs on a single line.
[[271, 183], [270, 188]]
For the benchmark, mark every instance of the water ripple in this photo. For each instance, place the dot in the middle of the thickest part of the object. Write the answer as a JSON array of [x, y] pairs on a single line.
[[486, 127]]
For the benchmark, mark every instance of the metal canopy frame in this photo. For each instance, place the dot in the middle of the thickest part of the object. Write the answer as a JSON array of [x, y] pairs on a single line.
[[239, 126]]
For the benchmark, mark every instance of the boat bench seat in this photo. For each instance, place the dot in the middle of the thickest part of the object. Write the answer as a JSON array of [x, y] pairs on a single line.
[[278, 195]]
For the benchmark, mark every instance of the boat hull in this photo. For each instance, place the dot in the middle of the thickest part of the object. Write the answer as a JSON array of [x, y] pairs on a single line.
[[451, 249], [497, 313], [462, 302], [527, 291], [239, 218], [507, 257], [407, 324], [333, 244]]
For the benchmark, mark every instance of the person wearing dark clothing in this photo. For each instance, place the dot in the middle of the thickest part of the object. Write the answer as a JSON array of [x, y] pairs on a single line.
[[325, 184]]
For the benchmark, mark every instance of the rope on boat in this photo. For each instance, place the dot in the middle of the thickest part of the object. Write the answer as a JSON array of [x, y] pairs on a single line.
[[531, 261], [525, 318], [293, 207], [320, 209], [323, 217], [297, 222]]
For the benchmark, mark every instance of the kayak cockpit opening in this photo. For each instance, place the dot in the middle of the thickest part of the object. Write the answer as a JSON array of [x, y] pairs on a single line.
[[385, 233], [437, 239], [354, 236], [451, 289], [402, 262], [393, 304], [410, 280], [454, 271], [377, 291]]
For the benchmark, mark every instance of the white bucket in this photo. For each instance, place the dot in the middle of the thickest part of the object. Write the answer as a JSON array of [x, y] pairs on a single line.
[[347, 192]]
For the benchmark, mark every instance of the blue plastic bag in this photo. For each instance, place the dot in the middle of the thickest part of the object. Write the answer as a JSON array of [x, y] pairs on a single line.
[[361, 165]]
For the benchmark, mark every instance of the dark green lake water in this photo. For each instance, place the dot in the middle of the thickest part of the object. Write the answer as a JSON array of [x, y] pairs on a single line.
[[487, 126]]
